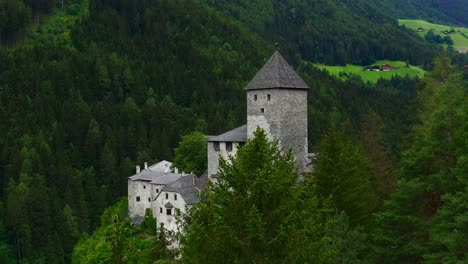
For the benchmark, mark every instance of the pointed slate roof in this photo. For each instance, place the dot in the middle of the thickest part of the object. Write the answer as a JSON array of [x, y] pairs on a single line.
[[277, 73]]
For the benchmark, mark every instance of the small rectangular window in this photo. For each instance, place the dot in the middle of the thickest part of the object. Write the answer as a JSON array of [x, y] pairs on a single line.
[[144, 186], [168, 211], [157, 190], [262, 110], [167, 196], [216, 146], [160, 210], [138, 198], [175, 197], [149, 199], [268, 97], [255, 97], [229, 146]]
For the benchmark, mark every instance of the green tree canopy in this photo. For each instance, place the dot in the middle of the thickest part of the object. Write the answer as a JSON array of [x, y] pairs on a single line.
[[191, 153]]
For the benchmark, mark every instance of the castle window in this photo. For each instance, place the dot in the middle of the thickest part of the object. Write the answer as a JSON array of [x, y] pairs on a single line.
[[144, 186], [138, 198], [160, 210], [255, 97], [229, 146], [157, 190], [168, 211], [149, 199], [216, 146], [262, 110], [167, 196], [268, 97], [175, 197]]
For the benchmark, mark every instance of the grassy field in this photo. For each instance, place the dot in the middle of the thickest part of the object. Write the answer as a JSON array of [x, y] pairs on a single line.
[[346, 72], [460, 37]]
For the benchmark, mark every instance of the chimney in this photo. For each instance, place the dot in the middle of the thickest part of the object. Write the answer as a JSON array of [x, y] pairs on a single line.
[[176, 170], [194, 178], [167, 170], [137, 168], [146, 165]]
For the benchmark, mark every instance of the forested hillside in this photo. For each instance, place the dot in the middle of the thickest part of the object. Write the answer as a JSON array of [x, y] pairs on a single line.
[[447, 11], [129, 78], [330, 32]]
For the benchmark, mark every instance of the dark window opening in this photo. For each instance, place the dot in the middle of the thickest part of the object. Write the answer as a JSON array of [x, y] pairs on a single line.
[[255, 97], [229, 146], [175, 197], [262, 110], [138, 198], [149, 199], [160, 210], [144, 186], [216, 146], [167, 196], [157, 190], [268, 97], [168, 211]]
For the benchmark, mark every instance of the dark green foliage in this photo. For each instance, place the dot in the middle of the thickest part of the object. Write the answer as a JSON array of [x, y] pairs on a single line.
[[258, 213], [315, 31], [416, 224], [191, 153], [343, 175], [116, 241]]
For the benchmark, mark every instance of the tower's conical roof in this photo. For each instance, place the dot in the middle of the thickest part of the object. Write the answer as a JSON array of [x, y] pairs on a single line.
[[276, 73]]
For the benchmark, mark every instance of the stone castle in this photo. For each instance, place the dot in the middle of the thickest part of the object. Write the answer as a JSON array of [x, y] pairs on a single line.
[[276, 102]]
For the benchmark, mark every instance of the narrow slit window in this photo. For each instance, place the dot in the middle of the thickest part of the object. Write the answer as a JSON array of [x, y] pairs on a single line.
[[144, 186], [175, 197], [268, 97], [160, 210], [157, 190], [149, 199], [255, 97], [167, 196]]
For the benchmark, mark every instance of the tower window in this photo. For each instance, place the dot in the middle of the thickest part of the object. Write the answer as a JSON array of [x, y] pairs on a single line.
[[229, 146], [168, 211], [138, 198], [175, 197], [167, 196], [255, 97], [149, 199], [157, 190], [268, 97], [262, 110], [216, 146], [160, 210], [144, 186]]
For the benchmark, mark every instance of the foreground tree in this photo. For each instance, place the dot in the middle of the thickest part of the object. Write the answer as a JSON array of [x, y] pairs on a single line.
[[424, 218], [260, 213]]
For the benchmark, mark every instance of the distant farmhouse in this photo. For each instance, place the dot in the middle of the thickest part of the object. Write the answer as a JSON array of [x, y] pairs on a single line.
[[276, 102]]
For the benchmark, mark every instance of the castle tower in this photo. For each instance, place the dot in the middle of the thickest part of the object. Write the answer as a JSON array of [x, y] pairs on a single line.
[[277, 102]]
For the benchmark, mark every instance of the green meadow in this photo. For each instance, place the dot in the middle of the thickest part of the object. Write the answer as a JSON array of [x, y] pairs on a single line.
[[346, 72], [460, 37]]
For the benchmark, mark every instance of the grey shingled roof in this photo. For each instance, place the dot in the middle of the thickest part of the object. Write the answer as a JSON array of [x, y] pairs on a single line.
[[156, 177], [184, 186], [236, 135], [277, 73]]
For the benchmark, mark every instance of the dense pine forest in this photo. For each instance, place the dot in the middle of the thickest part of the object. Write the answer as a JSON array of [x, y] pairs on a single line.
[[89, 89]]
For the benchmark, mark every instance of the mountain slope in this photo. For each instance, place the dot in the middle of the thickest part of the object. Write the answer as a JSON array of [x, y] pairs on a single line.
[[330, 32]]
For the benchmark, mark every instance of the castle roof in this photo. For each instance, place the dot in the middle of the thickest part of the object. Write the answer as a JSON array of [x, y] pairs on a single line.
[[276, 73], [236, 135], [186, 188]]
